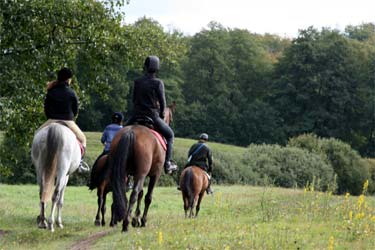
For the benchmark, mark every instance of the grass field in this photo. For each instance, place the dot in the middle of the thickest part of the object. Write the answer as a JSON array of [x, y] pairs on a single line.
[[235, 217]]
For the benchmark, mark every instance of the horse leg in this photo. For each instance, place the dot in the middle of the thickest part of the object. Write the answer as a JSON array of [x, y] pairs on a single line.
[[100, 204], [104, 208], [186, 205], [136, 221], [41, 219], [55, 197], [113, 219], [60, 203], [148, 199], [197, 208], [138, 186], [51, 219]]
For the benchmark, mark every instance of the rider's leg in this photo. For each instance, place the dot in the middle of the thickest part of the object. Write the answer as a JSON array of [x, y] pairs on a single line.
[[83, 166], [168, 134]]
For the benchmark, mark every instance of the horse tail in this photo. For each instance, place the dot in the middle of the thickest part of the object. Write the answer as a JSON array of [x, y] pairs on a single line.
[[53, 145], [189, 185], [121, 156]]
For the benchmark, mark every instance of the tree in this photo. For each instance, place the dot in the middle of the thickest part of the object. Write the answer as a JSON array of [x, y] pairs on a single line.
[[37, 38], [319, 84]]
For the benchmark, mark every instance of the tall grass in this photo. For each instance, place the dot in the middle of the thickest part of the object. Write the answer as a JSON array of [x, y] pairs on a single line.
[[236, 217]]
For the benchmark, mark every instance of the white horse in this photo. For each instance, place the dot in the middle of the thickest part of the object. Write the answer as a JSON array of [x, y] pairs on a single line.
[[55, 154]]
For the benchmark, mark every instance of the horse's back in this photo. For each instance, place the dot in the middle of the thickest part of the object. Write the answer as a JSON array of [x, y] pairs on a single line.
[[55, 135], [194, 179], [147, 150]]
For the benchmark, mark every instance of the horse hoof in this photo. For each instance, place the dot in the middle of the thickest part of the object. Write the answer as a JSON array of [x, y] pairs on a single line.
[[143, 223], [97, 223], [42, 225], [60, 225], [103, 223], [136, 222], [50, 227]]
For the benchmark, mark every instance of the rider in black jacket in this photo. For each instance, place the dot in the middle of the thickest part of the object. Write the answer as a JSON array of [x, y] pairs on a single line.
[[149, 100], [201, 155]]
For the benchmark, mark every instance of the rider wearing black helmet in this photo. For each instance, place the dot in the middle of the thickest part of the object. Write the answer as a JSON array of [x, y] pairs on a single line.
[[149, 100], [201, 155], [61, 105], [110, 131]]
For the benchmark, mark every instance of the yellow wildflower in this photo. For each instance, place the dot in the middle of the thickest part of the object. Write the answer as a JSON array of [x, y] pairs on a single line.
[[360, 216], [365, 187], [351, 215], [160, 238], [361, 200], [347, 196], [331, 243]]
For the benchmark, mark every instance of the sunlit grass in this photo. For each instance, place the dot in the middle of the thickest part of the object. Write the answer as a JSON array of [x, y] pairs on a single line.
[[235, 217]]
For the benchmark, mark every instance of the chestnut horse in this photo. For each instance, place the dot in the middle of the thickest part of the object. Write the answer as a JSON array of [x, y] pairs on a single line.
[[193, 184], [100, 177]]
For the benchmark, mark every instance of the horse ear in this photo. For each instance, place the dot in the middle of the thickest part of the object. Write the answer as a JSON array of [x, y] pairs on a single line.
[[173, 106]]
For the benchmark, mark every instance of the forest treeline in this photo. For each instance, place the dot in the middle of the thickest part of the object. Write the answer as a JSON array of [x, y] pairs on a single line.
[[239, 87]]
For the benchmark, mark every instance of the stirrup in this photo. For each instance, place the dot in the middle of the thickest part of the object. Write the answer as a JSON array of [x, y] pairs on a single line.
[[83, 167], [209, 191], [170, 167]]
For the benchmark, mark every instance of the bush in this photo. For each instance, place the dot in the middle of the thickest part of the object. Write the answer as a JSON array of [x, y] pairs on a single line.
[[371, 165], [352, 171], [287, 166]]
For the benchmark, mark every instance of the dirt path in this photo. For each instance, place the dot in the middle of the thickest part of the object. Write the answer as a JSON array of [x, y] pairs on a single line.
[[85, 244]]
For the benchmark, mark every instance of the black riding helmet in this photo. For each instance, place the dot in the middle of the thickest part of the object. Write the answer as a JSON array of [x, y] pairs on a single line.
[[64, 74], [117, 117], [152, 64]]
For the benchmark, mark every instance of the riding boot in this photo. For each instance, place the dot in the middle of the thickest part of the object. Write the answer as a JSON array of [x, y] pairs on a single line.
[[209, 190], [169, 166]]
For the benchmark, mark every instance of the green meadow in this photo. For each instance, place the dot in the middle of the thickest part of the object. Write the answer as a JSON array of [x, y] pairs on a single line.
[[235, 217]]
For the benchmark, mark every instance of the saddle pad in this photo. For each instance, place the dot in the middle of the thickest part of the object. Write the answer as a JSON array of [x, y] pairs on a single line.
[[81, 147], [160, 138]]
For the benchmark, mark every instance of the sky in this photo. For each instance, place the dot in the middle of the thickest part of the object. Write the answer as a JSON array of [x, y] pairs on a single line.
[[280, 17]]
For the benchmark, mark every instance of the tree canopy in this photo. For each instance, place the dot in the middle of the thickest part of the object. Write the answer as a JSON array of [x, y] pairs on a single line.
[[237, 86]]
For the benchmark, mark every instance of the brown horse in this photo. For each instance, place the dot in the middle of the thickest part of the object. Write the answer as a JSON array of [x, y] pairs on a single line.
[[135, 151], [100, 177], [193, 184], [168, 113]]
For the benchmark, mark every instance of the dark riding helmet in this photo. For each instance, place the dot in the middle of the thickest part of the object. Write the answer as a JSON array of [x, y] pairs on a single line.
[[117, 117], [203, 136], [64, 74], [152, 64]]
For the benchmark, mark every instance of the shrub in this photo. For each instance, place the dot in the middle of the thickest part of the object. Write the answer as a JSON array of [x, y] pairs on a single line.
[[352, 171], [288, 166], [371, 165]]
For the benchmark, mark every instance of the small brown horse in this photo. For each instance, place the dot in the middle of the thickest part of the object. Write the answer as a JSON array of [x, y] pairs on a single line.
[[193, 184], [100, 181], [100, 176]]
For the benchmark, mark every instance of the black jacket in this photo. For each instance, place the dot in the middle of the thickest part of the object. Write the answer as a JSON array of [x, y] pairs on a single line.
[[61, 102], [149, 96], [202, 158]]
